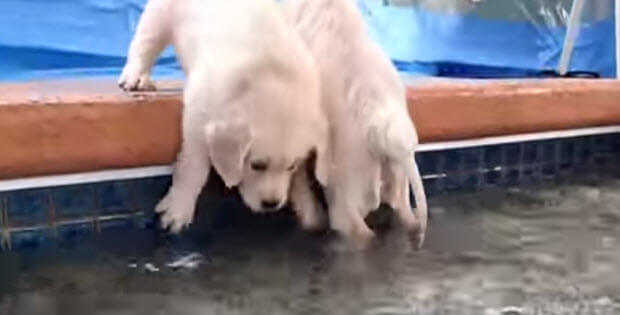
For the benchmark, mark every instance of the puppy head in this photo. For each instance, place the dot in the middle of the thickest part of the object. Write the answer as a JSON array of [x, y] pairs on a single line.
[[259, 162], [274, 124]]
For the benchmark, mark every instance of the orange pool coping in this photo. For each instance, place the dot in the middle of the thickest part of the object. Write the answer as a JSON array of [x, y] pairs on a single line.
[[61, 127]]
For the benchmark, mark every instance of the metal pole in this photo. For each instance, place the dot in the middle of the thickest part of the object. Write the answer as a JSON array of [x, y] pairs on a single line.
[[617, 38], [572, 31]]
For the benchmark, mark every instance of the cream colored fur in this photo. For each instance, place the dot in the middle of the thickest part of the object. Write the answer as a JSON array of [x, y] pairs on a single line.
[[372, 138], [251, 100]]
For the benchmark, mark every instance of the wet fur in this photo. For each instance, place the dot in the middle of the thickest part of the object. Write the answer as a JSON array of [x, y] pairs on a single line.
[[252, 94], [372, 138]]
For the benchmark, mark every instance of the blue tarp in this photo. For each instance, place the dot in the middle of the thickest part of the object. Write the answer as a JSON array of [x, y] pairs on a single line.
[[434, 43], [42, 39]]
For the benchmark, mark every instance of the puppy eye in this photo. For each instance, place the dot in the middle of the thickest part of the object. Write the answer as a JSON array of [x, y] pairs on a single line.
[[259, 166]]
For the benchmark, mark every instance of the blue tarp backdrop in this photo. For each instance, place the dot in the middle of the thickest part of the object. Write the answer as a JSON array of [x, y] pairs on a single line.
[[43, 39]]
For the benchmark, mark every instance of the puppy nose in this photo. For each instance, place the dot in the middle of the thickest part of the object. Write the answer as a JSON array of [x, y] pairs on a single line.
[[269, 204]]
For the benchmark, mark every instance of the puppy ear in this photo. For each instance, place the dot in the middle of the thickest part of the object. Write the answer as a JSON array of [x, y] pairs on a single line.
[[228, 144]]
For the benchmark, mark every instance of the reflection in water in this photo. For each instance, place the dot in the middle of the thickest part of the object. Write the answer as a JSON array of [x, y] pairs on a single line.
[[553, 250]]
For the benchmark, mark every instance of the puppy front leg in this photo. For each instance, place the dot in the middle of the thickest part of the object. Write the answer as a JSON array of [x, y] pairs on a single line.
[[303, 202], [190, 173], [152, 36]]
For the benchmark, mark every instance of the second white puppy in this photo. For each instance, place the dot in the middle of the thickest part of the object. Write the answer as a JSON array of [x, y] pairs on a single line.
[[372, 138], [251, 100]]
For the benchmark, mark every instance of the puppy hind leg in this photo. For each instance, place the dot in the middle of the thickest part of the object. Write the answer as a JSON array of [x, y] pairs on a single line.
[[349, 223], [151, 37], [397, 196]]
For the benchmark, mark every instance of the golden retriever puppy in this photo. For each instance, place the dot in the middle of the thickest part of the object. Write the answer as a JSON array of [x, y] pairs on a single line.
[[372, 138], [251, 107]]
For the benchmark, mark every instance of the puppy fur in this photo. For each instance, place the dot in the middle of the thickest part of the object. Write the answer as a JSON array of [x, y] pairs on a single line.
[[372, 138], [251, 99]]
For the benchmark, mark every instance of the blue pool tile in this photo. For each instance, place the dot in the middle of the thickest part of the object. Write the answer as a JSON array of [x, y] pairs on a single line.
[[472, 159], [549, 170], [603, 144], [74, 231], [2, 208], [73, 201], [471, 181], [28, 207], [512, 154], [492, 156], [3, 241], [31, 239], [452, 162], [567, 149], [430, 186], [615, 144], [428, 162], [585, 150], [116, 224], [146, 220], [114, 197], [567, 155], [531, 175], [530, 153], [602, 161], [451, 183], [549, 151], [150, 191], [512, 177], [492, 177], [566, 166]]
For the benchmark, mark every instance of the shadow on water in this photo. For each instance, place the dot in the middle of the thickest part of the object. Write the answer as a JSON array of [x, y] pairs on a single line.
[[546, 250]]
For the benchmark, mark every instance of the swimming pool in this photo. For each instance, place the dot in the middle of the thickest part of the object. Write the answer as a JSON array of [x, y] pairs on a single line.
[[524, 209]]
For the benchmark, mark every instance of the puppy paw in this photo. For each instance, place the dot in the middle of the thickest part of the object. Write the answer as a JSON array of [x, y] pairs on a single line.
[[416, 232], [316, 222], [132, 79], [410, 223], [419, 237], [313, 219], [176, 214], [359, 239], [420, 232]]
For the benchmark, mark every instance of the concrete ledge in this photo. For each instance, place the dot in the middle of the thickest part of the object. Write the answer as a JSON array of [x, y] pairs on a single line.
[[64, 127]]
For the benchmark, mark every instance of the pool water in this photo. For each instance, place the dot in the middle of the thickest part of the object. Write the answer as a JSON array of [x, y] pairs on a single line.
[[551, 249]]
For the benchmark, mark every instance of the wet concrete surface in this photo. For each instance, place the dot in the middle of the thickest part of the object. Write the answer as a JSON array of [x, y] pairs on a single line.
[[546, 250]]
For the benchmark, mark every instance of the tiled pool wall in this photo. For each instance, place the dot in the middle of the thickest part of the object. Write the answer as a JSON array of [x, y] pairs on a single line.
[[32, 218]]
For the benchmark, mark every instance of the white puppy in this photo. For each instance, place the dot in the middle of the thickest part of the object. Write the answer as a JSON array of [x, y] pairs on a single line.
[[251, 100], [372, 138]]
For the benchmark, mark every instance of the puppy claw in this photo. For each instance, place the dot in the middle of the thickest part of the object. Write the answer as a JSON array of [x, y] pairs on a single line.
[[175, 218], [133, 80], [175, 223], [163, 205]]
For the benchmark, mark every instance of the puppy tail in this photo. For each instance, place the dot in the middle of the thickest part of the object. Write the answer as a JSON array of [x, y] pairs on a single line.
[[392, 136], [417, 186]]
